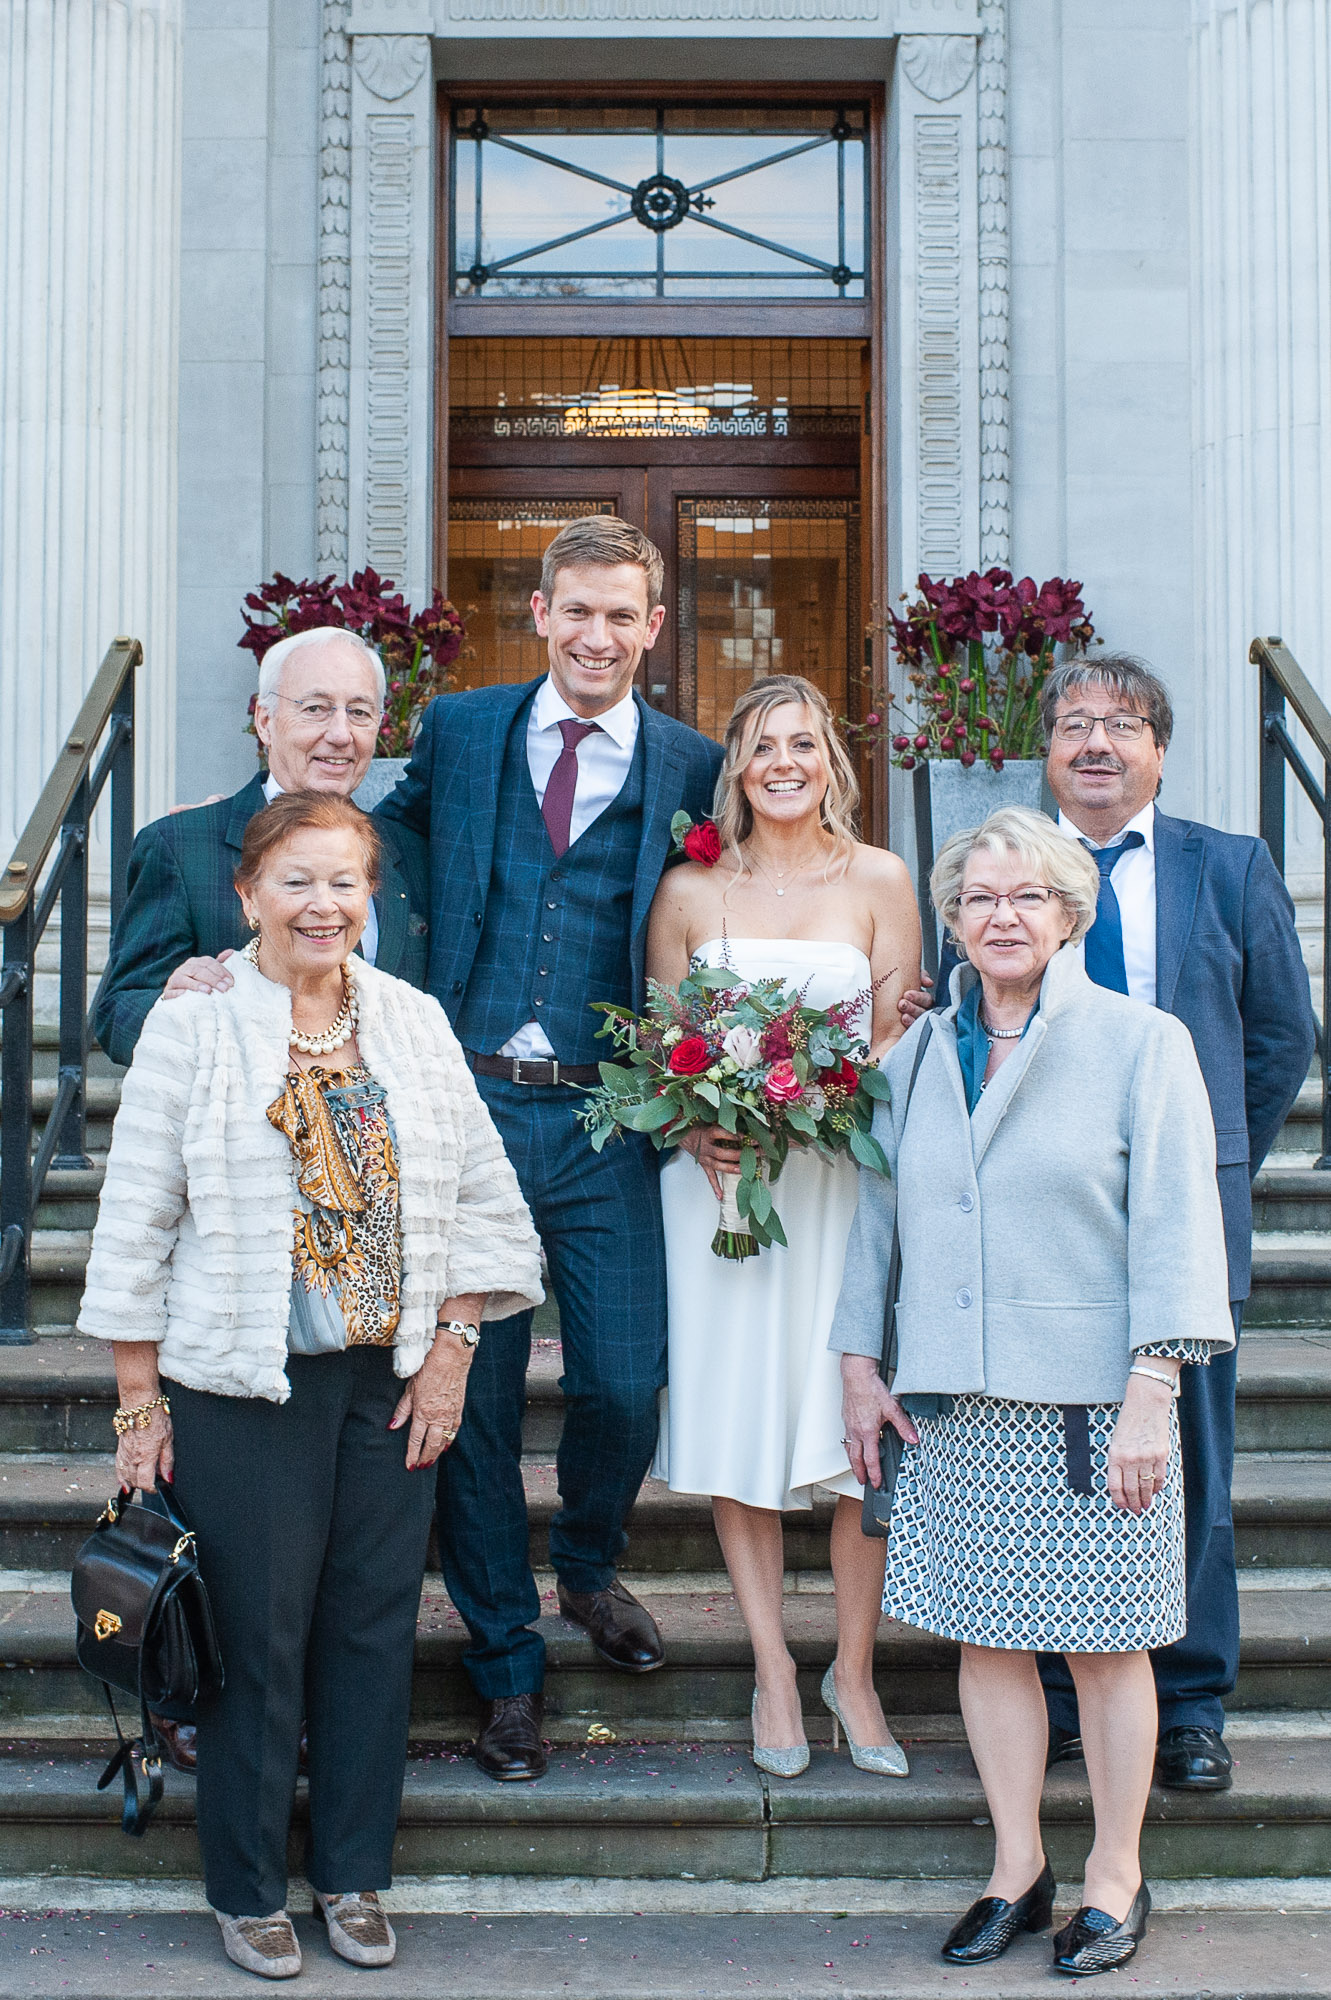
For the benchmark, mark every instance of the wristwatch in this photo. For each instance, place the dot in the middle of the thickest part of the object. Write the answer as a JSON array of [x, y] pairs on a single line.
[[469, 1335]]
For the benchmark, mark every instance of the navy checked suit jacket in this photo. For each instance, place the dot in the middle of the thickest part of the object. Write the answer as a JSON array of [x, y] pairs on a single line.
[[449, 794], [181, 903], [1228, 965]]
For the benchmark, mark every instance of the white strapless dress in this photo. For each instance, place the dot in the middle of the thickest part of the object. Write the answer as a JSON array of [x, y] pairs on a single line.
[[753, 1406]]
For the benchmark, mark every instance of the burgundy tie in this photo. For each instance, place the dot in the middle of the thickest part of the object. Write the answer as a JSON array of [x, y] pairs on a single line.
[[557, 805]]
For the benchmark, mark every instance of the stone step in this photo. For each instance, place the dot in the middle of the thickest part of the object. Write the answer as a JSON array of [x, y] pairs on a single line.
[[702, 1692], [1289, 1193], [128, 1943], [704, 1813], [1291, 1279], [57, 1394]]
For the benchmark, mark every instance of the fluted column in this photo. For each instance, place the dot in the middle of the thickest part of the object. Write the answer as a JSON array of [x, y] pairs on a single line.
[[89, 159], [1262, 421]]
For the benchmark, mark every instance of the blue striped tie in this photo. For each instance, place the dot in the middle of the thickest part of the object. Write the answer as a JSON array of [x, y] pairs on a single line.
[[1104, 940]]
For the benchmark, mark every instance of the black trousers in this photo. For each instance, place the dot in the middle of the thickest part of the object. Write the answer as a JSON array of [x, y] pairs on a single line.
[[312, 1537]]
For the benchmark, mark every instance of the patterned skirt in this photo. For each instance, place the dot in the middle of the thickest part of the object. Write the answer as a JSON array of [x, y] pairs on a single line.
[[990, 1546]]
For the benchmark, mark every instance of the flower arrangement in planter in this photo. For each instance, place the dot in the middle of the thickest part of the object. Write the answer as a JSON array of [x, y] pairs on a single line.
[[417, 649], [976, 650]]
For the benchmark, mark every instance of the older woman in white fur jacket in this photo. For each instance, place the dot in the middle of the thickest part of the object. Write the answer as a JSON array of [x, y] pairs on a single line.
[[307, 1218]]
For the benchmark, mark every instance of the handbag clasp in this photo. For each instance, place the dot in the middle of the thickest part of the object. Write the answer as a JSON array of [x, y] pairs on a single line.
[[106, 1624]]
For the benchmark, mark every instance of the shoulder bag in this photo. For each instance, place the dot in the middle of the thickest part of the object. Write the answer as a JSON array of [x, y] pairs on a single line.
[[145, 1627], [876, 1511]]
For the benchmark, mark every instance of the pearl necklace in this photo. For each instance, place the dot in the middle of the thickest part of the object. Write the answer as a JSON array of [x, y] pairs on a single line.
[[342, 1029]]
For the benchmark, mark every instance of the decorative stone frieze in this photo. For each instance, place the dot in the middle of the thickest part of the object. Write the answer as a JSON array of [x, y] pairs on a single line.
[[392, 244], [389, 65], [938, 65], [332, 394], [995, 326]]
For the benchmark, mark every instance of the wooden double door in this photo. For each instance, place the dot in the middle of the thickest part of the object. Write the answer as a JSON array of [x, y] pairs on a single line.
[[764, 565]]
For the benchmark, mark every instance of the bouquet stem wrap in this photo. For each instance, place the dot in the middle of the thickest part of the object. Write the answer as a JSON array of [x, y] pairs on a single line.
[[733, 1239]]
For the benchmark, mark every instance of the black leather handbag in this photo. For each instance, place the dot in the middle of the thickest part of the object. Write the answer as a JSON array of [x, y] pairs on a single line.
[[145, 1627], [876, 1510]]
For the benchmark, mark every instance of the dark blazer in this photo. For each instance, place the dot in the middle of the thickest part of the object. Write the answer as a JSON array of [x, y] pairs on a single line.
[[181, 903], [1228, 965], [449, 794]]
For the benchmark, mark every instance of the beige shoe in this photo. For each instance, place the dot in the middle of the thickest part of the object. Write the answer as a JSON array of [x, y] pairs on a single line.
[[266, 1945], [358, 1930]]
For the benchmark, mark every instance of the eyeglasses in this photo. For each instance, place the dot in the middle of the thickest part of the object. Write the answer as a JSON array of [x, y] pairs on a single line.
[[317, 712], [981, 903], [1118, 728]]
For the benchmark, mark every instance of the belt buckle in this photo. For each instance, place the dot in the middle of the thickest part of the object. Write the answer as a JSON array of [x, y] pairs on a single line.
[[554, 1070], [517, 1068]]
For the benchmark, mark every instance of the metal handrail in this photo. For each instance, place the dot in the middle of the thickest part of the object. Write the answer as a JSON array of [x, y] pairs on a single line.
[[1283, 680], [27, 902]]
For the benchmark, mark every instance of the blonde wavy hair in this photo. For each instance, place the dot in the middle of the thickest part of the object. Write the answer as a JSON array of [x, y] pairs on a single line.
[[839, 811], [1053, 859]]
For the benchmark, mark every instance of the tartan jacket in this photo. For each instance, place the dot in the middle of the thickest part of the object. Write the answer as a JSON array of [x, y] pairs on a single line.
[[450, 792], [181, 904]]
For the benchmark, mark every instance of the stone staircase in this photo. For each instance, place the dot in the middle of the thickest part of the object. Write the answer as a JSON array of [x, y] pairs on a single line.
[[650, 1779]]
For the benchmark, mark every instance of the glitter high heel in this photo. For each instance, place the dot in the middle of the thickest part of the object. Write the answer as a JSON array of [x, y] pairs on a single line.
[[887, 1759], [778, 1763]]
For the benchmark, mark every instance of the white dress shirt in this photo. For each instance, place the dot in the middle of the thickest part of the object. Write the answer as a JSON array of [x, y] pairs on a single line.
[[603, 766], [1133, 879], [369, 937]]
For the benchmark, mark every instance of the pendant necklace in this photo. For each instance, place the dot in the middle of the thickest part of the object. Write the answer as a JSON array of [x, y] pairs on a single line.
[[340, 1031], [781, 873]]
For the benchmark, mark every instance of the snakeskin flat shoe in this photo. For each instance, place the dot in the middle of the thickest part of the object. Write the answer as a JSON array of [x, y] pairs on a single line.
[[1096, 1942], [358, 1930]]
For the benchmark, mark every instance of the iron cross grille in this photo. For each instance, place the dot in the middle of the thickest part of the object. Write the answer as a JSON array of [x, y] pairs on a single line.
[[658, 202]]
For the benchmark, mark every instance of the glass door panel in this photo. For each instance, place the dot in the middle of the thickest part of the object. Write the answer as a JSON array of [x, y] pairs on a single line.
[[765, 586], [495, 548]]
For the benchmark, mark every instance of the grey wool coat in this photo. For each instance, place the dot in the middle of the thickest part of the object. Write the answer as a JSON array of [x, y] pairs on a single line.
[[1074, 1219]]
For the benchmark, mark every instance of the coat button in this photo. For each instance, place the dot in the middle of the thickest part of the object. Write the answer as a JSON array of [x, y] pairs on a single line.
[[544, 972], [538, 1003], [552, 906], [547, 937], [457, 985], [964, 1296], [967, 1202], [476, 919]]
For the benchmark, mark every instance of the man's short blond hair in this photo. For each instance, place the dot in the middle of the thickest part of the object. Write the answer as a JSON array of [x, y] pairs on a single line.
[[603, 541], [1054, 860]]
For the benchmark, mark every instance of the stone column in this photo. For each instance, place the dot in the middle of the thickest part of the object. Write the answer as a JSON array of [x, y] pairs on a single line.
[[89, 159], [1261, 174], [391, 343]]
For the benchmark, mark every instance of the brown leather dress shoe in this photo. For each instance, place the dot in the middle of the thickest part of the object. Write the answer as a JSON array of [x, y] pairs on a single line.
[[179, 1741], [509, 1745], [180, 1744], [623, 1632]]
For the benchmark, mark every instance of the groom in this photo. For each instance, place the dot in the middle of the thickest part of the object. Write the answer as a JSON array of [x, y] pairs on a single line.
[[548, 811]]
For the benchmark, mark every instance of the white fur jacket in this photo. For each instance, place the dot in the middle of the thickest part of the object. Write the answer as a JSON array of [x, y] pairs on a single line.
[[192, 1247]]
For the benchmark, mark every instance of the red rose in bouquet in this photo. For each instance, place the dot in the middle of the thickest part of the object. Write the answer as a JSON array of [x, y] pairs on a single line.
[[846, 1077], [690, 1057], [702, 843], [782, 1085]]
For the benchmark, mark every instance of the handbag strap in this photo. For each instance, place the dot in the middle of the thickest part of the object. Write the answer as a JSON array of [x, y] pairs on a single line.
[[888, 1360], [141, 1755]]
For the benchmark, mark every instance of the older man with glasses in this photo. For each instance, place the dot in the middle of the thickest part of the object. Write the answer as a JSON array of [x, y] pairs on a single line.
[[1198, 923], [321, 698]]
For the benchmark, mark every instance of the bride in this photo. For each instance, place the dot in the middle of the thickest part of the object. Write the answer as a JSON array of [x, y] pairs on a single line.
[[752, 1415]]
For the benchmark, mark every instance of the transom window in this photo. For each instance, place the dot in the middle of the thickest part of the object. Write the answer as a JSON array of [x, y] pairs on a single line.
[[665, 201]]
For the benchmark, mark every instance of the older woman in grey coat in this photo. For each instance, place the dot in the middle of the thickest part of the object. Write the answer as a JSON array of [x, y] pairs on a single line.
[[1062, 1258]]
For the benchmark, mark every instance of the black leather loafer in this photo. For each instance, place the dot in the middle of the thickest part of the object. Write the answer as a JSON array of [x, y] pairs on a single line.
[[1096, 1942], [509, 1746], [623, 1632], [1193, 1759], [1064, 1747], [989, 1926]]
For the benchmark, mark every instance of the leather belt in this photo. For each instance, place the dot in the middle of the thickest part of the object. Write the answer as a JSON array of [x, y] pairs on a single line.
[[531, 1070]]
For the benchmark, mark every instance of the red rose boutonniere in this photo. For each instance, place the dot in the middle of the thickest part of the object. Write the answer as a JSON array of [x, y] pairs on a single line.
[[697, 839]]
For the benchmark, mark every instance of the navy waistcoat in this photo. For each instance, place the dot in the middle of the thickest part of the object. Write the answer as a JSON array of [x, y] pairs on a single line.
[[556, 931]]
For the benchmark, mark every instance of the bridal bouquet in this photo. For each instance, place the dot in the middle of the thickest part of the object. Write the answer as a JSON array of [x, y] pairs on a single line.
[[751, 1057]]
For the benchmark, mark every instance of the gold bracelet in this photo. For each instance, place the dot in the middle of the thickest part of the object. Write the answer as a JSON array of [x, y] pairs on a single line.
[[139, 1418]]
